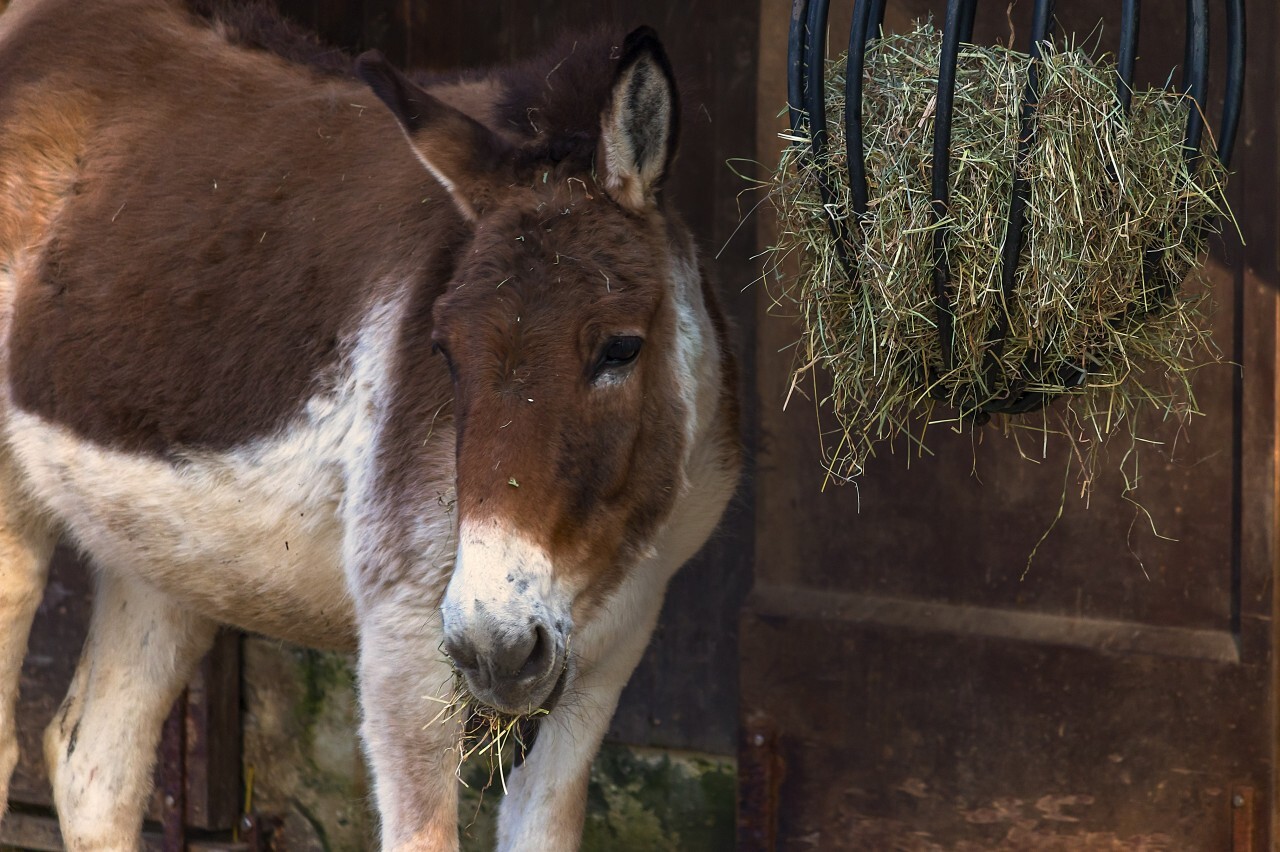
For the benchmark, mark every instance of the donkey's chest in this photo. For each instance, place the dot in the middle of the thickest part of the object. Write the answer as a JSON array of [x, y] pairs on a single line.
[[251, 537]]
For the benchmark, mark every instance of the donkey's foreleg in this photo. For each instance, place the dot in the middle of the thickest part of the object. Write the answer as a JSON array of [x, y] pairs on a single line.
[[547, 794], [410, 734], [25, 547], [100, 747]]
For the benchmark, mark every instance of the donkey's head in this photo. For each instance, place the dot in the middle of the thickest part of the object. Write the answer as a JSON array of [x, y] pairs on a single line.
[[580, 351]]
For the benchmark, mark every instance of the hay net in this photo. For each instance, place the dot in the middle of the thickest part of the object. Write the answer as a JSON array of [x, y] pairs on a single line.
[[1115, 218]]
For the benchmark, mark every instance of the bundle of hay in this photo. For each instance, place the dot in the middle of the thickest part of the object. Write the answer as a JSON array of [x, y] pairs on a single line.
[[1107, 190], [481, 732]]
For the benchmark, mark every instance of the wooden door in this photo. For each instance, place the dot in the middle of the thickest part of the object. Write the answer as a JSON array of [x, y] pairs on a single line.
[[905, 686]]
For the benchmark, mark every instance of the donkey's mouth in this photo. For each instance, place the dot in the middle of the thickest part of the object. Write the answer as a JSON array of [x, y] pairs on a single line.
[[528, 726], [549, 703], [530, 698]]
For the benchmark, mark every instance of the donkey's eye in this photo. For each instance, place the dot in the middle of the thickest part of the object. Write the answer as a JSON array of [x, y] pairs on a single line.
[[438, 349], [619, 351]]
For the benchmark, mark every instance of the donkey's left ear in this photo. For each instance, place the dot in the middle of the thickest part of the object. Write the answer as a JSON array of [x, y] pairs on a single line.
[[462, 154], [640, 125]]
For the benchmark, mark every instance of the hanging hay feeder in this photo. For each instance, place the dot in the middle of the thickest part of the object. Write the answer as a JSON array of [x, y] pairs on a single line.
[[990, 230]]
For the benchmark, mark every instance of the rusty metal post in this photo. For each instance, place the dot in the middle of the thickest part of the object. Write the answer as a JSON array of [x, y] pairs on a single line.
[[1241, 819], [259, 832], [173, 776], [760, 771]]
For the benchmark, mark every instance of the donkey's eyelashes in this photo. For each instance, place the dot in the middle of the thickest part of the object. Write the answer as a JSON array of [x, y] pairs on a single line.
[[617, 352], [621, 350], [438, 348]]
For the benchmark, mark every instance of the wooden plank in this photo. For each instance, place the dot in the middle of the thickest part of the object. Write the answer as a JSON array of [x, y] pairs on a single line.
[[25, 831], [1106, 635], [213, 736], [53, 650], [40, 833], [170, 771], [897, 739], [760, 774]]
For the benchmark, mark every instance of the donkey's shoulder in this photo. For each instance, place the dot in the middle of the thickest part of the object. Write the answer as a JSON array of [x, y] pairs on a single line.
[[213, 229]]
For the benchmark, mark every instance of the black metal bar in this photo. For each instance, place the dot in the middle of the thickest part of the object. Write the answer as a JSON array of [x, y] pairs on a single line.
[[1129, 23], [1194, 83], [967, 13], [815, 60], [877, 17], [1196, 75], [797, 47], [815, 90], [1011, 250], [859, 35], [1235, 81], [941, 174]]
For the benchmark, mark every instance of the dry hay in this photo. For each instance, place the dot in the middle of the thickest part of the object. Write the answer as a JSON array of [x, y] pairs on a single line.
[[1104, 189], [482, 733]]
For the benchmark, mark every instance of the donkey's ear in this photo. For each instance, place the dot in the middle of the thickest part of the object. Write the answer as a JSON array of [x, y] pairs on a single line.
[[641, 122], [459, 151]]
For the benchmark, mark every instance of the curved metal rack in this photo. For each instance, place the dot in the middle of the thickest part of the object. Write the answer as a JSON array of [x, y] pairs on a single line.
[[806, 88]]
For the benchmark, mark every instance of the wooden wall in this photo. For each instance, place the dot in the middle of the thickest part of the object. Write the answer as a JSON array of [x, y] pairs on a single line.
[[921, 688]]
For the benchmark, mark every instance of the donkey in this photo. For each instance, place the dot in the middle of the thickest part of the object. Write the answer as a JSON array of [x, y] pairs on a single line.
[[435, 377]]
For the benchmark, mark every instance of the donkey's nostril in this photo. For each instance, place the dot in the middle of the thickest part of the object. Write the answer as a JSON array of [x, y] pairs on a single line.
[[520, 658], [539, 657], [509, 670], [462, 654]]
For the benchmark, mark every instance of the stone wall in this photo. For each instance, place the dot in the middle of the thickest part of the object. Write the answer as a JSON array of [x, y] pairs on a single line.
[[303, 755]]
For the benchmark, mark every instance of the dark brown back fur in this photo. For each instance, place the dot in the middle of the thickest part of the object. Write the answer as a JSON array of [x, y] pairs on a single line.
[[231, 215], [258, 25]]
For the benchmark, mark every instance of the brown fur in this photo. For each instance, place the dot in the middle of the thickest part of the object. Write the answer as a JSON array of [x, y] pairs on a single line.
[[554, 96], [312, 192], [38, 166], [572, 450], [256, 310], [258, 25]]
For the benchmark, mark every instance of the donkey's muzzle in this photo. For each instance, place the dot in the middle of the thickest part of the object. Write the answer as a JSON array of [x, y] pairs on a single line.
[[512, 670]]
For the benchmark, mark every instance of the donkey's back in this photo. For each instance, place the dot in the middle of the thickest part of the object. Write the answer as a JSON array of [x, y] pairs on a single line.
[[221, 210]]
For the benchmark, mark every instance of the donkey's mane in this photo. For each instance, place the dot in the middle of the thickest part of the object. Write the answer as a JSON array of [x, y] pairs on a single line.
[[258, 25], [551, 101]]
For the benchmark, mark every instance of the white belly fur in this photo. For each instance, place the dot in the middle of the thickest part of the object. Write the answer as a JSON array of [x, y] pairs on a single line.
[[252, 537]]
